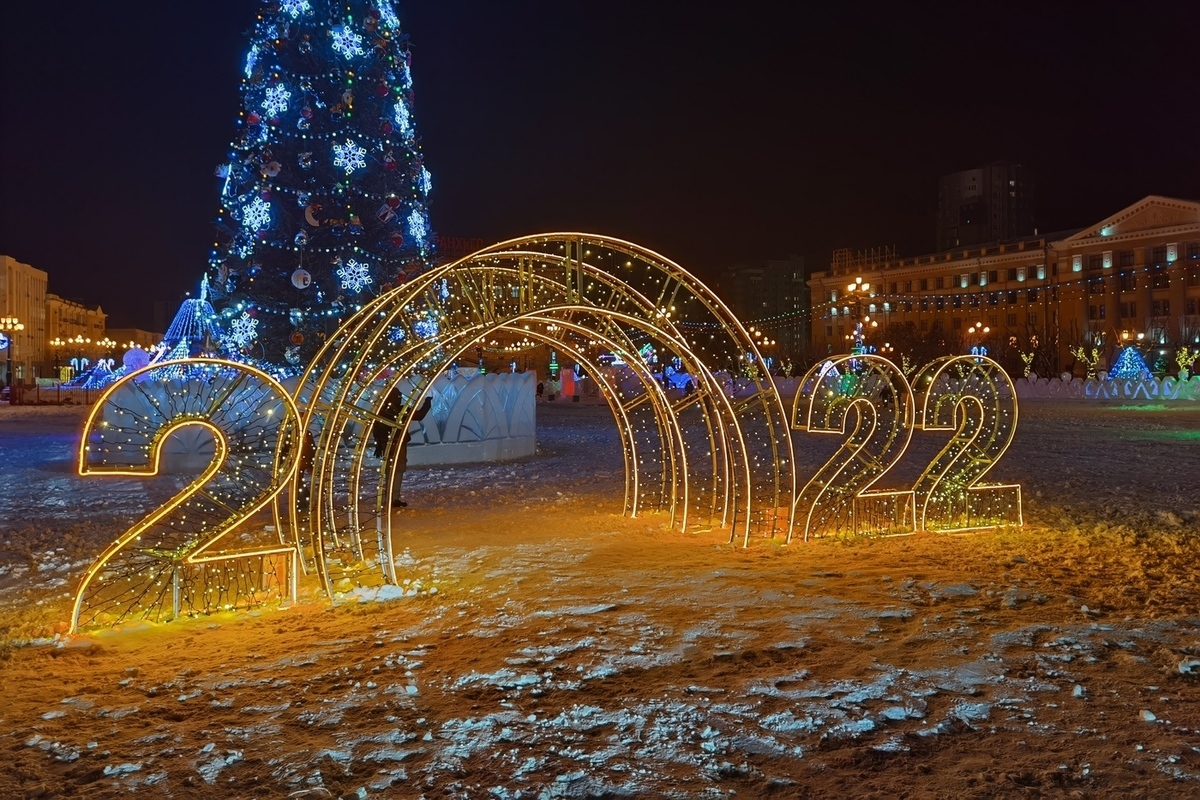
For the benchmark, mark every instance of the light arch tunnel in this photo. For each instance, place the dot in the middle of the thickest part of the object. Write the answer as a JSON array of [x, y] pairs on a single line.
[[708, 457]]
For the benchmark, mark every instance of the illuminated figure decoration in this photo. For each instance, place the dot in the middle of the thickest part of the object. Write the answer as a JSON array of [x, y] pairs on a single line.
[[974, 397], [181, 559], [349, 156], [704, 456], [837, 499], [1130, 366]]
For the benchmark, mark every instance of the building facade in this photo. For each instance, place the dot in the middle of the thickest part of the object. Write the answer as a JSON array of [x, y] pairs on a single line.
[[73, 335], [1135, 272], [993, 203], [23, 295], [772, 294]]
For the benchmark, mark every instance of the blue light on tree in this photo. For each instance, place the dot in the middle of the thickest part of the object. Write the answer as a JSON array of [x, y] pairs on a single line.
[[396, 335], [417, 228], [425, 180], [276, 101], [387, 14], [295, 8], [1130, 366], [426, 328], [251, 61], [242, 331], [349, 156], [347, 42], [339, 72], [256, 215], [355, 275], [403, 124]]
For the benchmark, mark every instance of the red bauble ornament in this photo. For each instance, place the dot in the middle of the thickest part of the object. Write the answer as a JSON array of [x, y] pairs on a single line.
[[265, 194], [397, 239], [306, 112], [252, 118], [390, 165], [381, 90], [393, 201], [297, 338], [386, 127]]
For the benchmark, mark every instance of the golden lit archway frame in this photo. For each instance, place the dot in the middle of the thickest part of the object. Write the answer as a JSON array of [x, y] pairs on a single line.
[[837, 500], [704, 456], [180, 559], [973, 397]]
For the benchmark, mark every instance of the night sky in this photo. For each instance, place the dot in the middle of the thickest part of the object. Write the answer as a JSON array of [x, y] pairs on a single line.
[[712, 133]]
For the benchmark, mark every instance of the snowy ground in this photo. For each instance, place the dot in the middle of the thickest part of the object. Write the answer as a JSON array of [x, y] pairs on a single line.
[[570, 652]]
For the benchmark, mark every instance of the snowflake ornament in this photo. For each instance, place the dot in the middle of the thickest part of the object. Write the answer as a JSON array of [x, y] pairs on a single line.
[[242, 331], [347, 42], [276, 101], [426, 328], [405, 76], [387, 14], [425, 180], [403, 122], [444, 289], [349, 156], [417, 228], [396, 335], [256, 215], [355, 275], [251, 61], [295, 8]]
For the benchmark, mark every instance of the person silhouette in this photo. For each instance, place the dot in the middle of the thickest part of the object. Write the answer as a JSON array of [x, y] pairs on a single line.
[[396, 458]]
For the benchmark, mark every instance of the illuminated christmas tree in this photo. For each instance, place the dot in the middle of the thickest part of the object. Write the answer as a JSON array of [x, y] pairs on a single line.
[[1130, 366], [324, 194]]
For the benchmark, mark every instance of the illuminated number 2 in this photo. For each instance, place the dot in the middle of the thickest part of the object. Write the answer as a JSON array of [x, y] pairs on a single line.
[[178, 559], [836, 499], [974, 397]]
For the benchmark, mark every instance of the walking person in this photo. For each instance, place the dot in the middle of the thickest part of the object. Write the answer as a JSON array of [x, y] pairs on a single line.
[[396, 457]]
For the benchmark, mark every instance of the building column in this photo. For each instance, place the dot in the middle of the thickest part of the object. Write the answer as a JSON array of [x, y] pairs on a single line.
[[1177, 273]]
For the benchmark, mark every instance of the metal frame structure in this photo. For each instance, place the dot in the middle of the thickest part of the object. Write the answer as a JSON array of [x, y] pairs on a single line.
[[708, 453], [178, 559]]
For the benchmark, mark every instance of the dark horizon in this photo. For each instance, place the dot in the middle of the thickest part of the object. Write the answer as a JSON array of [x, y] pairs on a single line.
[[708, 137]]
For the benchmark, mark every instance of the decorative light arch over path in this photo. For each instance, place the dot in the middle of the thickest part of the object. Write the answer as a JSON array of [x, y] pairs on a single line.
[[722, 453]]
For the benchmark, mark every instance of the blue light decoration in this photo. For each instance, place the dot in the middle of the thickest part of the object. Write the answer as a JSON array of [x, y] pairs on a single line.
[[347, 42], [444, 289], [251, 61], [355, 275], [242, 331], [343, 179], [294, 8], [256, 215], [417, 228], [387, 14], [349, 156], [427, 327], [1130, 366], [276, 101], [396, 335], [402, 119]]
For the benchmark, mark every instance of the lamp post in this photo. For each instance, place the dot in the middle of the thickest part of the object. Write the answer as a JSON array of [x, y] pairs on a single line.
[[980, 330], [58, 343], [80, 341], [9, 326], [855, 295]]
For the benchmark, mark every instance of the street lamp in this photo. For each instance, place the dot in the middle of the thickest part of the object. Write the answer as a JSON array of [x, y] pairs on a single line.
[[80, 341], [855, 293], [9, 325], [981, 330], [58, 343]]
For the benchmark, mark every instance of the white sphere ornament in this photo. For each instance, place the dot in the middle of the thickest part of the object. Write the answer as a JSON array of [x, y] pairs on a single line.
[[301, 279], [135, 359]]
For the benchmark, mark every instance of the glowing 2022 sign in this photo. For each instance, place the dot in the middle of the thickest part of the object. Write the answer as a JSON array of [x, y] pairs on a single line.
[[705, 458], [969, 395]]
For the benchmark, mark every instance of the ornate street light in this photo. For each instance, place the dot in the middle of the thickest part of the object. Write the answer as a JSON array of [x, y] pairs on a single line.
[[8, 326]]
